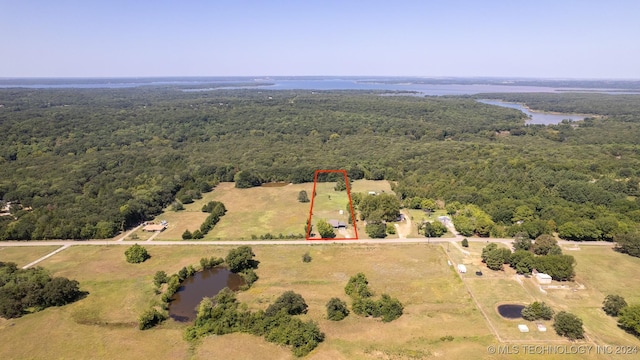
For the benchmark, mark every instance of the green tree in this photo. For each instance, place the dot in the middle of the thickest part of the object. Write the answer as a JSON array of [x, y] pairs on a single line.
[[628, 243], [543, 244], [358, 286], [629, 319], [186, 235], [537, 310], [136, 254], [240, 258], [568, 325], [336, 309], [159, 278], [150, 318], [390, 228], [390, 308], [303, 197], [465, 243], [521, 241], [376, 230], [612, 304], [559, 267], [495, 259], [325, 229], [291, 302]]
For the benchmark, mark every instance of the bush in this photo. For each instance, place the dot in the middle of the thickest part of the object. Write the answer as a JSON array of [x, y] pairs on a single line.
[[629, 319], [569, 325], [337, 309], [612, 304], [306, 257], [186, 235], [159, 278], [249, 277], [151, 318], [136, 254], [240, 258], [357, 287], [537, 310], [465, 243], [303, 197], [390, 308], [376, 230], [391, 229], [290, 302]]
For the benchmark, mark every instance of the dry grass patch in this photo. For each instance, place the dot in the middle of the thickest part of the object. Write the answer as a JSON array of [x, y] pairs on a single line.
[[23, 255]]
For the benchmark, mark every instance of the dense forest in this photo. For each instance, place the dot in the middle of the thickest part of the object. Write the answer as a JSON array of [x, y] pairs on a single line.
[[88, 163]]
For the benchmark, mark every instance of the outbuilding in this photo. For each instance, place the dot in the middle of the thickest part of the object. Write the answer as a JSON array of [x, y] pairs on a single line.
[[462, 269], [543, 278]]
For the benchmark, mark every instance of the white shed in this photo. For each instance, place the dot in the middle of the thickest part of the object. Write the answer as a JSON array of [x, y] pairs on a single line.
[[462, 269], [543, 278]]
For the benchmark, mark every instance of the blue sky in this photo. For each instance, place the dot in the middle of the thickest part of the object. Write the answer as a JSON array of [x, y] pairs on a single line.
[[550, 39]]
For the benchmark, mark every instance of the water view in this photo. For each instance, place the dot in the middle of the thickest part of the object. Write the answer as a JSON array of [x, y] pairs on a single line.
[[535, 117], [207, 283]]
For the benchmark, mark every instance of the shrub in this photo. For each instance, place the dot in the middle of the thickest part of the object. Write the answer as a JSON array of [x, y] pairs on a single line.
[[391, 229], [306, 257], [150, 318], [569, 325], [240, 258], [465, 243], [629, 319], [357, 287], [336, 309], [291, 302], [537, 310], [249, 277], [136, 254], [612, 304], [186, 235], [159, 278]]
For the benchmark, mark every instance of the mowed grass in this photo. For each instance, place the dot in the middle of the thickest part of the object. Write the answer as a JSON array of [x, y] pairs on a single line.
[[104, 324], [327, 205], [24, 255]]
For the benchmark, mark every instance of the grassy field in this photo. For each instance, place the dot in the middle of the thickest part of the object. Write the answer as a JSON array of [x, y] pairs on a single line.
[[261, 210], [441, 319], [24, 255]]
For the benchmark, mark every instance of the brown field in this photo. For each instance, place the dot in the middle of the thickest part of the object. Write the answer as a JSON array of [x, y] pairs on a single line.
[[24, 255], [441, 319]]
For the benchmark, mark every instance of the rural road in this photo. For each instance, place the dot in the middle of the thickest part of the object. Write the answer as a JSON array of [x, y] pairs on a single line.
[[64, 244]]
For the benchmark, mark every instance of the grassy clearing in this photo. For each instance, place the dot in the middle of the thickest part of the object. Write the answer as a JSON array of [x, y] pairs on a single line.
[[327, 205], [103, 325], [24, 255], [437, 304]]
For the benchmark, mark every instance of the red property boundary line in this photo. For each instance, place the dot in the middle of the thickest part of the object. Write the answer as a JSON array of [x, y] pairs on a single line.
[[313, 197]]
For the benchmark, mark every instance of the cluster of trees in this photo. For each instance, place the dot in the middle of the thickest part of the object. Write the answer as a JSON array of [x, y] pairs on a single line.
[[386, 308], [136, 254], [432, 229], [325, 230], [116, 157], [545, 256], [239, 260], [628, 315], [278, 324], [33, 289], [216, 210], [377, 210]]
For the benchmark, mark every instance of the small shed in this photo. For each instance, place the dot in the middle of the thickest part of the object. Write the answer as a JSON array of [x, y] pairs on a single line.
[[541, 327], [462, 269], [523, 328], [543, 278]]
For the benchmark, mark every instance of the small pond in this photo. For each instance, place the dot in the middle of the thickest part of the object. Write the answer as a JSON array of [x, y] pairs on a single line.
[[510, 311], [207, 283], [275, 184]]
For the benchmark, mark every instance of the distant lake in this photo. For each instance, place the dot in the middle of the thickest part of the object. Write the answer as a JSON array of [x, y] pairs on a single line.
[[536, 117], [325, 83]]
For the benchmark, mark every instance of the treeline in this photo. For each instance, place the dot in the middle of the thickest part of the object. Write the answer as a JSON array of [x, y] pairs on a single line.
[[89, 163], [30, 290]]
